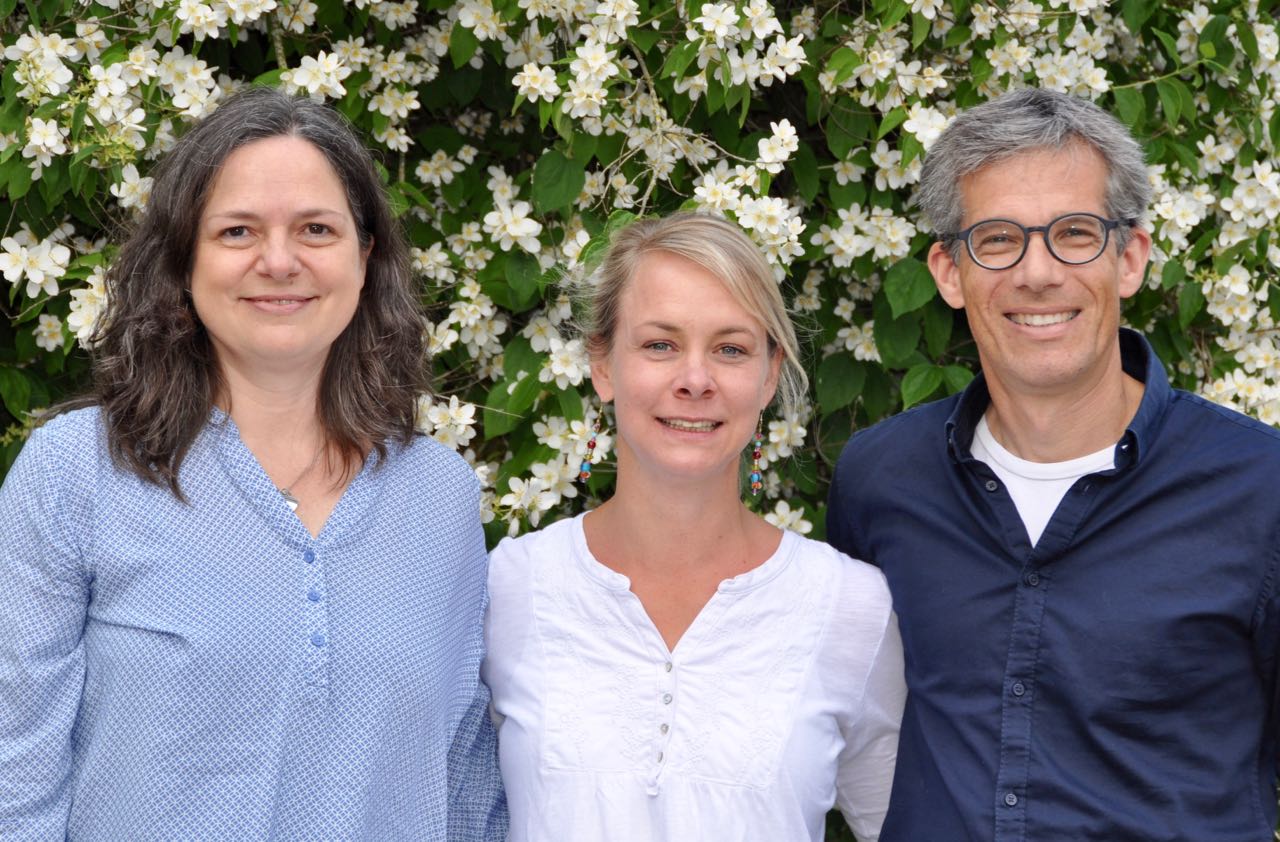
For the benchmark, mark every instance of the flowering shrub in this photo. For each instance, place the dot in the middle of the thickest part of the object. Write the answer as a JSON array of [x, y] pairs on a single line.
[[517, 134]]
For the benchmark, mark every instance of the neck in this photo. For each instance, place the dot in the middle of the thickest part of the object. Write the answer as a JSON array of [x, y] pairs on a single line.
[[1057, 428], [276, 414], [674, 526]]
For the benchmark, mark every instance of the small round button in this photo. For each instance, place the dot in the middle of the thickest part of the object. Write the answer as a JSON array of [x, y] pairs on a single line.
[[991, 485], [666, 698], [313, 595], [1011, 799], [317, 639], [1032, 579], [667, 666], [660, 756], [1018, 688], [308, 556], [664, 728]]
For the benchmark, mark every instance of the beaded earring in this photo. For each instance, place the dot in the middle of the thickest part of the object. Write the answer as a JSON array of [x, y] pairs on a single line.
[[584, 473], [757, 479]]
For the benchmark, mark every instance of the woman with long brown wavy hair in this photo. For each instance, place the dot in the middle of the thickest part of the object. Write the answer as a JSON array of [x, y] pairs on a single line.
[[239, 597]]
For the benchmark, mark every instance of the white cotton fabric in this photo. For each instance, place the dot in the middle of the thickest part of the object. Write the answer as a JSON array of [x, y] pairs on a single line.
[[783, 698], [1036, 487]]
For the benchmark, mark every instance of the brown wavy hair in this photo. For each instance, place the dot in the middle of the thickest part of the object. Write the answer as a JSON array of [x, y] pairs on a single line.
[[155, 374]]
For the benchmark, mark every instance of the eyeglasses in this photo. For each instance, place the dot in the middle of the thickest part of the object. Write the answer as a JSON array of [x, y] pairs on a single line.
[[1073, 238]]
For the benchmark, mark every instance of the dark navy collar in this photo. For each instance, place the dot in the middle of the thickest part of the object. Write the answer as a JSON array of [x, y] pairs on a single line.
[[1138, 360]]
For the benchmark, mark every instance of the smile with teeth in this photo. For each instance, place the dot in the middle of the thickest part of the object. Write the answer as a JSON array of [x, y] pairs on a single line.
[[690, 426], [1042, 319]]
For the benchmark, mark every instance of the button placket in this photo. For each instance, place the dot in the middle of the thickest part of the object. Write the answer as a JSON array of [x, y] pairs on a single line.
[[316, 612]]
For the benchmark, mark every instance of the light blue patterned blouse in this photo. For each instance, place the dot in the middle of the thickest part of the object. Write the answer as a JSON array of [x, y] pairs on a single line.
[[211, 672]]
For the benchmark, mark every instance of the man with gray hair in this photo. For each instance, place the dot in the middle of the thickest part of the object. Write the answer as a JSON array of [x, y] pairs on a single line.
[[1085, 562]]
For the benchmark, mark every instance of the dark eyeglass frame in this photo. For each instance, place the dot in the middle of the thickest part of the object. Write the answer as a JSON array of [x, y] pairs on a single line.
[[1043, 230]]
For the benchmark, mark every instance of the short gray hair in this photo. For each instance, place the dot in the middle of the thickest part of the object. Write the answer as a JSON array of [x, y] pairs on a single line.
[[1025, 121]]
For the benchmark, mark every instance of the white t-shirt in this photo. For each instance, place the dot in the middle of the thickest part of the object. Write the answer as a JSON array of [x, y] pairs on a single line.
[[1036, 487], [783, 697]]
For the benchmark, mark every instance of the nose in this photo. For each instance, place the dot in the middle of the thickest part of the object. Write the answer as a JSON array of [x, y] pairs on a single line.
[[694, 379], [278, 257], [1039, 269]]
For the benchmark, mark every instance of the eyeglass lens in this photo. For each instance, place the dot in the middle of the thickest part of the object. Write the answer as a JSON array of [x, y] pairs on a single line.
[[999, 244]]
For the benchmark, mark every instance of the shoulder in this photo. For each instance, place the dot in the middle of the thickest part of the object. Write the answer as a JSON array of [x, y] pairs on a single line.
[[74, 443], [901, 434], [555, 540], [855, 581], [425, 460], [1201, 413]]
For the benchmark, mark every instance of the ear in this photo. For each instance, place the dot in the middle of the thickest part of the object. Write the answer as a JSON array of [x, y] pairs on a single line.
[[1133, 261], [602, 376], [946, 275]]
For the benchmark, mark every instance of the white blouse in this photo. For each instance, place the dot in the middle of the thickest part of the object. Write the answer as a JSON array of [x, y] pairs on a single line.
[[781, 699]]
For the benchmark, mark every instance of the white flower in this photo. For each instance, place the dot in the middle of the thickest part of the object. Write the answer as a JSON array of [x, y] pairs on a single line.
[[718, 21], [536, 83], [778, 147], [49, 332], [133, 191], [452, 424], [45, 138], [87, 304], [320, 76], [566, 364], [785, 517], [925, 123], [508, 225], [41, 264]]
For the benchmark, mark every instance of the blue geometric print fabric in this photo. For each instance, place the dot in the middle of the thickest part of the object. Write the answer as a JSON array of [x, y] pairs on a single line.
[[208, 670]]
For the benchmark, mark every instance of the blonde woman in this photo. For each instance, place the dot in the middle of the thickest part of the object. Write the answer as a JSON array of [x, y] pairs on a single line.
[[670, 666]]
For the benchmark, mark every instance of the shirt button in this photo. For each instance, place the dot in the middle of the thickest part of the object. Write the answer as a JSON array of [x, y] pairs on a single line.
[[308, 556], [313, 595], [317, 639], [1011, 799], [660, 756], [667, 666], [1032, 578], [1018, 688], [666, 698], [664, 728], [991, 485]]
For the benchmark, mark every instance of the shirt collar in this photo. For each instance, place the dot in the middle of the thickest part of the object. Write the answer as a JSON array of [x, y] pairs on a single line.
[[1138, 360]]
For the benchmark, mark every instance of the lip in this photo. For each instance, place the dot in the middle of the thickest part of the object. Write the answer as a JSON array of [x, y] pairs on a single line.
[[1042, 319], [277, 305], [690, 426]]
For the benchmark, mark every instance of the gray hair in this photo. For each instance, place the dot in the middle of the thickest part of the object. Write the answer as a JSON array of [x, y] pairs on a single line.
[[1025, 121], [721, 248]]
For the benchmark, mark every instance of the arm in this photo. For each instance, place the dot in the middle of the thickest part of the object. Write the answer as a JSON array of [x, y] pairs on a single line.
[[43, 603], [864, 776]]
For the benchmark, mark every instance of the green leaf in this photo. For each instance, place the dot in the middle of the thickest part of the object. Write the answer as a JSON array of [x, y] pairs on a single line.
[[1190, 303], [1131, 105], [896, 339], [462, 45], [939, 320], [1170, 46], [1214, 38], [15, 391], [1170, 100], [1249, 42], [839, 381], [679, 59], [522, 274], [571, 404], [804, 167], [919, 383], [908, 286], [920, 26], [842, 64], [497, 420], [557, 181], [1136, 13], [891, 121], [526, 392], [1172, 275], [957, 377], [19, 180]]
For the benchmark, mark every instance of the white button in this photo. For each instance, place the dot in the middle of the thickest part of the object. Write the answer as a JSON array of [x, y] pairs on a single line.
[[665, 728], [667, 666], [659, 757], [666, 698]]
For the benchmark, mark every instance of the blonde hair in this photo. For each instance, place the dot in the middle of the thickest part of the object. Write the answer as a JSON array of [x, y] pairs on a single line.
[[721, 248]]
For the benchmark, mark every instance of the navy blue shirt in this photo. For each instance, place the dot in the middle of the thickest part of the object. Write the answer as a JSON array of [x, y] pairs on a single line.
[[1118, 680]]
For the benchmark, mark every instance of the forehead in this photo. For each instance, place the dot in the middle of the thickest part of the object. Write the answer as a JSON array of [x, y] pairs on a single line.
[[281, 168], [1034, 186], [678, 291]]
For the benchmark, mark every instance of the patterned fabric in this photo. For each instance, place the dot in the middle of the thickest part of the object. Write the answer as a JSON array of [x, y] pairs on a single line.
[[207, 670]]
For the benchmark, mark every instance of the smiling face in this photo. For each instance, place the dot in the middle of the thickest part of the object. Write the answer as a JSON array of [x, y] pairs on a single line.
[[689, 371], [278, 265], [1043, 327]]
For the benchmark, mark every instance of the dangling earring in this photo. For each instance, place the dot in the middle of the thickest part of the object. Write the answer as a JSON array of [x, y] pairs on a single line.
[[584, 473], [757, 482]]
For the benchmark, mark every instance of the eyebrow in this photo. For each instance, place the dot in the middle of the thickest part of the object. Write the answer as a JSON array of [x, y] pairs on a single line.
[[670, 328], [236, 213]]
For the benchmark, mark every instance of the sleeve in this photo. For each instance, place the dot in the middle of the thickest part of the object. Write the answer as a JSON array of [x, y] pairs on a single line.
[[43, 603], [840, 532], [864, 777], [477, 803]]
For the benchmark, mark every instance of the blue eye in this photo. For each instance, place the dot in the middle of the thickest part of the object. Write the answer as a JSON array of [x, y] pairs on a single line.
[[658, 346], [732, 351]]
